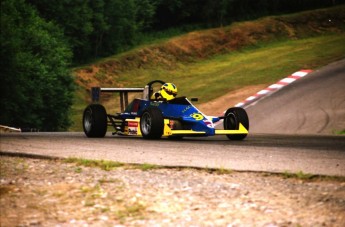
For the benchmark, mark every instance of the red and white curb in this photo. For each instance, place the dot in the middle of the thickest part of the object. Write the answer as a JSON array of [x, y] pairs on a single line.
[[275, 87], [272, 88]]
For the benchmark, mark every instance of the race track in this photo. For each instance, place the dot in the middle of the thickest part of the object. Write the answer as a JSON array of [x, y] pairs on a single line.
[[274, 153], [297, 122]]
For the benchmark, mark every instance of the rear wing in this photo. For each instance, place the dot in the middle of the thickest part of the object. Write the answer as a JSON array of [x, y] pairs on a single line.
[[96, 93]]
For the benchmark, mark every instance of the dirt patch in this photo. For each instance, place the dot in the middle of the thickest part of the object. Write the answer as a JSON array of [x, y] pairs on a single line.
[[217, 106], [53, 193]]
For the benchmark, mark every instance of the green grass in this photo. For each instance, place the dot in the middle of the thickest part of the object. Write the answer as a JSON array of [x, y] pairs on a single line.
[[107, 165], [342, 132], [102, 164], [265, 64], [305, 177], [299, 175], [133, 211], [147, 166]]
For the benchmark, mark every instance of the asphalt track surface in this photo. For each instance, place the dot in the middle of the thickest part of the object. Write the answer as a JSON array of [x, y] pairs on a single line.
[[323, 155], [314, 104], [298, 117]]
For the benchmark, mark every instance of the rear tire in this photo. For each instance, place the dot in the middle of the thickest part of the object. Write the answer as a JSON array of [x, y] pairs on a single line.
[[233, 117], [95, 121], [152, 123]]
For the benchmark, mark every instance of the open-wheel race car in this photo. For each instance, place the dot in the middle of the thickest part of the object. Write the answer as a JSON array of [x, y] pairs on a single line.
[[158, 114]]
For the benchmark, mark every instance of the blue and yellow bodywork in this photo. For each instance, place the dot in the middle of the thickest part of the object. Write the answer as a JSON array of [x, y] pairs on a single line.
[[192, 122]]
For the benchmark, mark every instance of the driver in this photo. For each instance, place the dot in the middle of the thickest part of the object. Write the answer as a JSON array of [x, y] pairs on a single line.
[[167, 92]]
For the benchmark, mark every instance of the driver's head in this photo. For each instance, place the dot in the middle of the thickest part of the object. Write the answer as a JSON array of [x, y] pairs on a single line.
[[168, 91]]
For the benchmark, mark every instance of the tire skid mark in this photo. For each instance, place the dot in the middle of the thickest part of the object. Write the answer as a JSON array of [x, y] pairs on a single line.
[[304, 119], [326, 122]]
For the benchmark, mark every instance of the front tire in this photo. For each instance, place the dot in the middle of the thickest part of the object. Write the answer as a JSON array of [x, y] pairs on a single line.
[[95, 121], [152, 123], [233, 117]]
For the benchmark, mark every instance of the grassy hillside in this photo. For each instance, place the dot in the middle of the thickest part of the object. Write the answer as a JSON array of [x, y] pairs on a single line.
[[209, 63]]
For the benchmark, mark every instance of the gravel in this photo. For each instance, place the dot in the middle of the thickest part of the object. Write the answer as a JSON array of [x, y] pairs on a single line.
[[36, 192]]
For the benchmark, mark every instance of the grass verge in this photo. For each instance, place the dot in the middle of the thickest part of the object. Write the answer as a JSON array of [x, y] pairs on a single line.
[[102, 164], [111, 165], [342, 132], [108, 165]]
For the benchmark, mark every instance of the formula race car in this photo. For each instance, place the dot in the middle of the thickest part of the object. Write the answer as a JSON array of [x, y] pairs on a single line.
[[158, 114]]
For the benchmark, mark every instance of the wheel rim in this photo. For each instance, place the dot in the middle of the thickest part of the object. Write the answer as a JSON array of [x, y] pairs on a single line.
[[146, 123], [231, 121], [88, 120]]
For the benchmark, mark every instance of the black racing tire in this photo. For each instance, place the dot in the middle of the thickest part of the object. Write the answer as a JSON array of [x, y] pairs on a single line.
[[152, 123], [233, 117], [95, 121]]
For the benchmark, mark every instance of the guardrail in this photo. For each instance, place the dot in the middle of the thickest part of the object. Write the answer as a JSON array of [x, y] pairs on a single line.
[[4, 128]]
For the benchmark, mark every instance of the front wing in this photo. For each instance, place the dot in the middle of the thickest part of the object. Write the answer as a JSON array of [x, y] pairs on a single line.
[[241, 130]]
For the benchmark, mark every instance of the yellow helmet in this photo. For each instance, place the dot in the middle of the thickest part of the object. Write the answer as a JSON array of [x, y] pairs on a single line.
[[168, 91]]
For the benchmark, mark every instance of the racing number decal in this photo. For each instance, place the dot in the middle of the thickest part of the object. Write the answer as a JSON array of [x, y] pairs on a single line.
[[197, 116]]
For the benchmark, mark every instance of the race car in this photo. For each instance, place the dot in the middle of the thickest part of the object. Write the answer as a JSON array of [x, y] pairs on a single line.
[[160, 114]]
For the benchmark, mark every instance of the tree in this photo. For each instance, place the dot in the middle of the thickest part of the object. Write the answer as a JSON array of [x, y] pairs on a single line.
[[145, 12], [121, 17], [74, 17], [36, 84], [97, 28], [100, 26]]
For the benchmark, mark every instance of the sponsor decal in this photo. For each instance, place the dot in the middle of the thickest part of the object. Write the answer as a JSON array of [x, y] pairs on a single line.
[[185, 109], [208, 123], [197, 116], [132, 124], [154, 103], [132, 131]]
